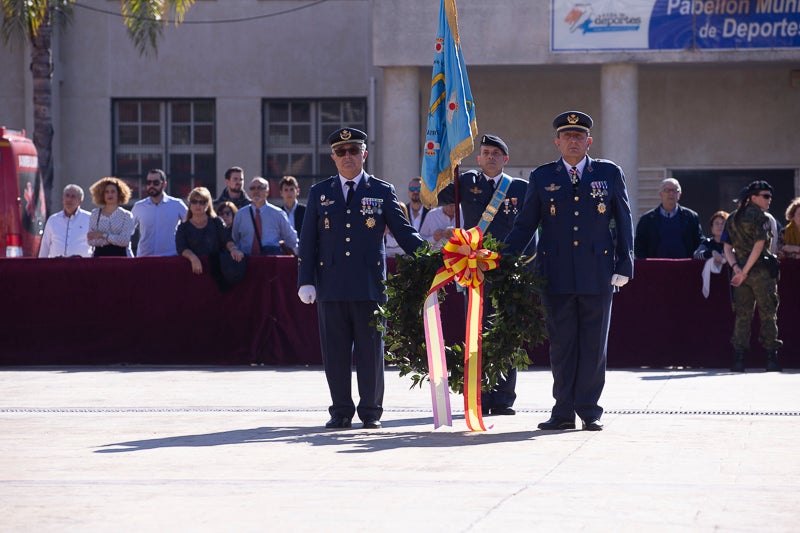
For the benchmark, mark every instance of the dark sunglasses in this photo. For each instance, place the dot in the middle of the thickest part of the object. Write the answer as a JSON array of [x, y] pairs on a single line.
[[766, 195], [353, 150], [153, 182], [415, 189], [226, 213], [198, 201]]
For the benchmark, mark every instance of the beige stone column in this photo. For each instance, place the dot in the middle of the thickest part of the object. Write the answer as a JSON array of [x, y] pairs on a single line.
[[619, 124], [400, 147]]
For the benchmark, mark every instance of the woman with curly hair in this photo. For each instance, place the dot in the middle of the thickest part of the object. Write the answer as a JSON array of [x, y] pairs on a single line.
[[111, 226]]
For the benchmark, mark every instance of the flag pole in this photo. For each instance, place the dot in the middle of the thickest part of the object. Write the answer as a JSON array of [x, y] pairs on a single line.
[[456, 173]]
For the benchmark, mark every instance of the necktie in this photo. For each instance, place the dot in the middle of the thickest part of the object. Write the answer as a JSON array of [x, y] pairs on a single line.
[[350, 186], [573, 176], [256, 250], [492, 185]]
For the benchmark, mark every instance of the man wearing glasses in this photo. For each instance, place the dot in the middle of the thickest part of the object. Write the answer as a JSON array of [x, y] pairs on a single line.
[[670, 230], [157, 217], [262, 228], [342, 266], [747, 239]]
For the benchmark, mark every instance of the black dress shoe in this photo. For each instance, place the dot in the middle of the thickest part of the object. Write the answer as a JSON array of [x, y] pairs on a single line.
[[503, 411], [556, 424], [339, 422], [592, 425], [372, 423]]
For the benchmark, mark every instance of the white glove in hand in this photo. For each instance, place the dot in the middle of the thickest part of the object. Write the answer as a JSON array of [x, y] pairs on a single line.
[[307, 294], [618, 280]]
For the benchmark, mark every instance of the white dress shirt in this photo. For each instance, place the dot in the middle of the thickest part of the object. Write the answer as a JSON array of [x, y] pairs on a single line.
[[436, 219], [65, 236], [158, 223]]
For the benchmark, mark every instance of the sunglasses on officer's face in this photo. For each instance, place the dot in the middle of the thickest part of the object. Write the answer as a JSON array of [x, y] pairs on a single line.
[[415, 189], [766, 195], [353, 150]]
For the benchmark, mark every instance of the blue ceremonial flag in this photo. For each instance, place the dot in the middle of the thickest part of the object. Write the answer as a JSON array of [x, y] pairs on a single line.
[[452, 127]]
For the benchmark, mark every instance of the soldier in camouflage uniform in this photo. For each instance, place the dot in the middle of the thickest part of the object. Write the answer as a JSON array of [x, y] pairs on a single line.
[[755, 274]]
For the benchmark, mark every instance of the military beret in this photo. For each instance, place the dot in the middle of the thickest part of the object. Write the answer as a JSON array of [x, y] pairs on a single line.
[[754, 187], [572, 120], [347, 136], [493, 140], [757, 186]]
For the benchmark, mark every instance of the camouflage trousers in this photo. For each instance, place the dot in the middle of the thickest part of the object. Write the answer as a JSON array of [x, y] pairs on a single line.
[[758, 291]]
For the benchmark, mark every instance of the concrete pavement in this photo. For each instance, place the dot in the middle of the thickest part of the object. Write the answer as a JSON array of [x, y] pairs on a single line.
[[243, 449]]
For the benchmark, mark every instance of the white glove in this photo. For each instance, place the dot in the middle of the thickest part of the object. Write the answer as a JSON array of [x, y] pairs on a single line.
[[618, 280], [307, 294]]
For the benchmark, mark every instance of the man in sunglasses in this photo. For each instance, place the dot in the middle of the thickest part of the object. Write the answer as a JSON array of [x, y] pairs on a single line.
[[342, 267], [747, 240], [157, 217], [416, 211]]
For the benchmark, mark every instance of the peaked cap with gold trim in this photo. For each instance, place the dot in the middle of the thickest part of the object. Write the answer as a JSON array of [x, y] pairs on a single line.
[[347, 136], [572, 121]]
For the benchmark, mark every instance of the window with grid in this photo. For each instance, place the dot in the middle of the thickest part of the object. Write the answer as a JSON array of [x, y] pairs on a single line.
[[174, 135], [296, 137]]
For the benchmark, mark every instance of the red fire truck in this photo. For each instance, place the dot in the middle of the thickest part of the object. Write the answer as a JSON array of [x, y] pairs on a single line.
[[22, 205]]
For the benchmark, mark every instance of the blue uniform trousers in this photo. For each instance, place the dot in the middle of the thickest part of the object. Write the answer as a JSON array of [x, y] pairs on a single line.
[[347, 335], [577, 325]]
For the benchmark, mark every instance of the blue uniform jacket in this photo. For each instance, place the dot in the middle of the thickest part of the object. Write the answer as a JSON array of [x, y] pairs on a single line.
[[341, 248], [475, 194], [577, 251]]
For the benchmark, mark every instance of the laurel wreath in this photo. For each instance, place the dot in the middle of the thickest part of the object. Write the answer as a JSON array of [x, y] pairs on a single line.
[[515, 326]]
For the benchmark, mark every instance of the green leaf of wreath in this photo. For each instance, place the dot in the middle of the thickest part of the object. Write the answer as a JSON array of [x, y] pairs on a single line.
[[516, 324]]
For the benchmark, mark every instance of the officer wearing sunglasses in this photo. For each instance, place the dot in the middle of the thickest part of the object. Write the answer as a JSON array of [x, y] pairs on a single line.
[[342, 267]]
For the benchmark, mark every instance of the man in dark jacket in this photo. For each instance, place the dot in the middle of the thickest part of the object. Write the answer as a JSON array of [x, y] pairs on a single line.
[[670, 230], [491, 196], [233, 191], [342, 266]]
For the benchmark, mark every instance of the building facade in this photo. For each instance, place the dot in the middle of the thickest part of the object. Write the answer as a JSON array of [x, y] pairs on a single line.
[[260, 83]]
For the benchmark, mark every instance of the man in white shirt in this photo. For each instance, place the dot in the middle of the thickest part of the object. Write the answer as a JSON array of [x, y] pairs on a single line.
[[65, 231], [158, 217], [438, 225]]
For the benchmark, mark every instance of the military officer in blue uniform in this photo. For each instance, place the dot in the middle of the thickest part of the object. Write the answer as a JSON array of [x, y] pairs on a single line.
[[342, 265], [584, 259], [477, 190]]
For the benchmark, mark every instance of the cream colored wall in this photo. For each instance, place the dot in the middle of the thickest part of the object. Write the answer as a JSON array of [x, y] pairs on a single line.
[[313, 53], [726, 116]]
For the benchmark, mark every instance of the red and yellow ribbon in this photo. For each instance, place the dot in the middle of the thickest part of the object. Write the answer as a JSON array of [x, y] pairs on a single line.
[[465, 262]]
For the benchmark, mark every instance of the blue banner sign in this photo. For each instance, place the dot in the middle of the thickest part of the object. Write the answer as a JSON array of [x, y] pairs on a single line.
[[674, 24]]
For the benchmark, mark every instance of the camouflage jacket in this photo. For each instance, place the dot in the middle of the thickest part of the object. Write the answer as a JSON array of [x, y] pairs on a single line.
[[752, 226]]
